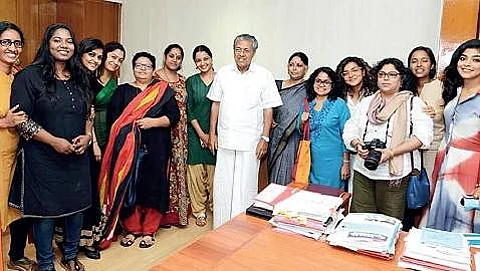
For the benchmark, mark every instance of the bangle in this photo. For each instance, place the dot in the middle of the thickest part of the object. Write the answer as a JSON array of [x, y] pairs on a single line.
[[392, 155], [94, 141], [346, 161]]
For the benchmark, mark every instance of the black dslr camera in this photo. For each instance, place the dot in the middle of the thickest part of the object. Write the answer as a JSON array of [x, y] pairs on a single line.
[[373, 157]]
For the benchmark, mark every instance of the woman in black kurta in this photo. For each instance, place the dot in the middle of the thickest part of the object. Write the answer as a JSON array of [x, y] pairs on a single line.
[[148, 198], [53, 91]]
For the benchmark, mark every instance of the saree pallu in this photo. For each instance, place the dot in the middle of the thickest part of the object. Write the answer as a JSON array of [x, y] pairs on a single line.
[[179, 209], [120, 159], [284, 138], [101, 101]]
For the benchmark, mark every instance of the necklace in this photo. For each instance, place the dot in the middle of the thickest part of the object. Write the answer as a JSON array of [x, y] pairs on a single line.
[[167, 77]]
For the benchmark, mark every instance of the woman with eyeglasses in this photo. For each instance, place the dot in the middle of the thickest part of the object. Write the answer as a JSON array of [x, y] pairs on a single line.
[[284, 138], [55, 94], [356, 83], [386, 127], [178, 211], [355, 80], [457, 172], [11, 46], [327, 115], [134, 187]]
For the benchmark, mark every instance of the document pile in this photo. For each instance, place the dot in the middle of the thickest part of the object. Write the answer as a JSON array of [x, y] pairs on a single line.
[[307, 213], [367, 233], [428, 249], [270, 196]]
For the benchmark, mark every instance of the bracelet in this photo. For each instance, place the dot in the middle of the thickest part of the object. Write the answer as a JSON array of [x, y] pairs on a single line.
[[94, 141], [346, 161], [392, 155]]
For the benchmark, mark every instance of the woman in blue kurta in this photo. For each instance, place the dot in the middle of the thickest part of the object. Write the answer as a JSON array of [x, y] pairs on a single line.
[[327, 116]]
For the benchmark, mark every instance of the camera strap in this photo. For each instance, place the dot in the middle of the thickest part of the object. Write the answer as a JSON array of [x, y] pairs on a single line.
[[386, 131]]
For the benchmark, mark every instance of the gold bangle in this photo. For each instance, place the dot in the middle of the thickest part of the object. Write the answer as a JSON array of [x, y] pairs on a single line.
[[392, 155]]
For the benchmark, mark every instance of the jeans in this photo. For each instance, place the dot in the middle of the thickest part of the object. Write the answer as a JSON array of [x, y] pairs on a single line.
[[43, 229], [18, 238]]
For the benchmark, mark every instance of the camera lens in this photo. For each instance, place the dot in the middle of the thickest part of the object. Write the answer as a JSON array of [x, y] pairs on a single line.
[[372, 160]]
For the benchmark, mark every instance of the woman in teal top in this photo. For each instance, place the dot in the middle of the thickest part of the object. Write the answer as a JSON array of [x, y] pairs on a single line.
[[327, 116], [201, 162]]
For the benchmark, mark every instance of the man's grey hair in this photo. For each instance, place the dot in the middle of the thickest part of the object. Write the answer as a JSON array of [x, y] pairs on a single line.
[[246, 37]]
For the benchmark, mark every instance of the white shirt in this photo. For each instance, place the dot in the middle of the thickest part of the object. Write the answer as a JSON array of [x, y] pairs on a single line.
[[242, 97], [355, 127]]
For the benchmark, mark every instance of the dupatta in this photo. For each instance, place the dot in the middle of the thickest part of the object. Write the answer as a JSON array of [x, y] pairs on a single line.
[[104, 96], [119, 161]]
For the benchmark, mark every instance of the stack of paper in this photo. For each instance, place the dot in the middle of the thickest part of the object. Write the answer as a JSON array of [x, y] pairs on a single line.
[[368, 233], [429, 249], [270, 196], [308, 213]]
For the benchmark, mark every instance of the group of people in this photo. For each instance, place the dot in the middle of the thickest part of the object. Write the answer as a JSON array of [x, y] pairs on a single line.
[[84, 155]]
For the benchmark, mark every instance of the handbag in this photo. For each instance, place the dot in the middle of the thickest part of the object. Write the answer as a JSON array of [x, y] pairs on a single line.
[[303, 161], [418, 190]]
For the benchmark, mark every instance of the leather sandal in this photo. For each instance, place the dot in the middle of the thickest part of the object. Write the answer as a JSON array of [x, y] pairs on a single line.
[[128, 240], [144, 243], [201, 221]]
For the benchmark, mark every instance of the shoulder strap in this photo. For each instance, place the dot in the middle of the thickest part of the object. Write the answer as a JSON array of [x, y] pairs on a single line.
[[411, 132], [306, 126]]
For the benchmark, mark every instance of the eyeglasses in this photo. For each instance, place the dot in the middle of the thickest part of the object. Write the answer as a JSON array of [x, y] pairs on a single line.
[[239, 50], [323, 82], [7, 43], [388, 74], [355, 70], [140, 66]]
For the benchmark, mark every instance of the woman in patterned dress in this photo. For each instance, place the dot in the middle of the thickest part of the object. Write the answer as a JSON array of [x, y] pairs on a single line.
[[178, 211], [457, 172]]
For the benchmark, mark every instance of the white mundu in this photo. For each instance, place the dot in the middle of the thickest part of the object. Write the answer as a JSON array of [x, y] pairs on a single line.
[[242, 97]]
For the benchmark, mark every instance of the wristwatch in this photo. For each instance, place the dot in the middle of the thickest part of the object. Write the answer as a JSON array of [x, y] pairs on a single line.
[[265, 138]]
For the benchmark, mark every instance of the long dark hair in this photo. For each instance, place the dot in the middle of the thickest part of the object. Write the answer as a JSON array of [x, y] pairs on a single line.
[[433, 70], [45, 60], [335, 91], [368, 84], [408, 81], [84, 47], [453, 80]]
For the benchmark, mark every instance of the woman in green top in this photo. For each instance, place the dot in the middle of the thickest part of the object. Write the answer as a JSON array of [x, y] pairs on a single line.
[[201, 163], [104, 87]]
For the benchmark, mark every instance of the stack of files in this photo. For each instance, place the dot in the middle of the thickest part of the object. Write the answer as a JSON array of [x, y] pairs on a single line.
[[473, 239], [307, 213], [367, 233], [265, 201], [428, 249]]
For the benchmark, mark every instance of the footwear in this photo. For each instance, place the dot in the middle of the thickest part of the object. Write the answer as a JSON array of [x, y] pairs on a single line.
[[128, 240], [201, 221], [147, 241], [24, 264], [90, 252], [72, 265]]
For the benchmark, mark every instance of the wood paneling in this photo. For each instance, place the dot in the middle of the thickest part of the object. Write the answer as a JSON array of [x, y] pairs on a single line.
[[91, 18], [8, 10], [459, 23]]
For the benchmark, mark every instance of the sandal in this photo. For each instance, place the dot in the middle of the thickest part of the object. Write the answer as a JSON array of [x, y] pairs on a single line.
[[201, 221], [128, 240], [147, 241]]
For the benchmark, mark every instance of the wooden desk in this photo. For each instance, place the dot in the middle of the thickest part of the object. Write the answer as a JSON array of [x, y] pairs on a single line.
[[249, 243]]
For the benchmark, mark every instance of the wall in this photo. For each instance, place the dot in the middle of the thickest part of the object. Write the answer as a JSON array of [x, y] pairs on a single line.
[[326, 30], [88, 18]]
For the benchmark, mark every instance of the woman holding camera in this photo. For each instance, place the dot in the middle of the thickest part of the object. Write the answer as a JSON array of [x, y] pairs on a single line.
[[387, 127]]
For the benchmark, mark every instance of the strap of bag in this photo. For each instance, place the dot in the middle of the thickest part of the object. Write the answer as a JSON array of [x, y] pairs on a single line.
[[306, 125], [411, 132]]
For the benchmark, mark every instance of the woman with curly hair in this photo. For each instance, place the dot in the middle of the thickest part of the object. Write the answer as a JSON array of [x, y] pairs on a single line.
[[457, 172], [327, 115], [390, 124]]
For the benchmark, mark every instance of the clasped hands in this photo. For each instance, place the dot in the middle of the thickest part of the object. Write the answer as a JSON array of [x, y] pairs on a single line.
[[78, 145]]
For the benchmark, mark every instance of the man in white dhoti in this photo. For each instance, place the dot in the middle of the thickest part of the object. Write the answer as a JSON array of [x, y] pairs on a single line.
[[243, 96]]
